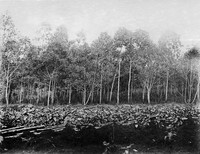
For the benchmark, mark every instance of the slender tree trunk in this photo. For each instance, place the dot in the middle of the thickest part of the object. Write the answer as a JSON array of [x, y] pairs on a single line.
[[20, 94], [185, 96], [30, 93], [197, 92], [53, 91], [167, 84], [7, 86], [92, 97], [118, 87], [38, 94], [97, 92], [132, 88], [70, 94], [190, 84], [129, 81], [131, 93], [49, 93], [101, 87], [143, 92], [84, 95], [7, 90], [149, 95], [190, 92], [112, 86], [89, 95], [92, 91]]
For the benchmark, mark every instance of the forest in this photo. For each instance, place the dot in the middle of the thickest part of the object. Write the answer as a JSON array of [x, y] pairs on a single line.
[[126, 68]]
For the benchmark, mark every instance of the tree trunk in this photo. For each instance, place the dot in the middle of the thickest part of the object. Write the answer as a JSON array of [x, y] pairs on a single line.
[[149, 95], [92, 97], [166, 87], [38, 94], [118, 87], [112, 86], [186, 83], [101, 87], [53, 92], [20, 94], [49, 93], [92, 91], [129, 81], [89, 96], [132, 88], [84, 95], [30, 94], [190, 85], [198, 90], [198, 94], [143, 92], [70, 94], [7, 90]]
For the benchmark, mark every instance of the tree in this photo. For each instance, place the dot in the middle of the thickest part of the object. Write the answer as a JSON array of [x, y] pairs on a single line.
[[193, 55], [146, 60], [82, 72], [11, 52], [102, 49], [149, 68], [169, 44], [123, 41]]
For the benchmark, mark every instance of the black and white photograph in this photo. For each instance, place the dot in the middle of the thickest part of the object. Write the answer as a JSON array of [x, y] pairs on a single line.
[[99, 76]]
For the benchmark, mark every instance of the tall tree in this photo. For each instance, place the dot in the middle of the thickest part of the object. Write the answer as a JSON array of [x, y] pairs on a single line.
[[102, 48], [193, 55], [11, 53], [145, 61], [170, 45], [123, 40]]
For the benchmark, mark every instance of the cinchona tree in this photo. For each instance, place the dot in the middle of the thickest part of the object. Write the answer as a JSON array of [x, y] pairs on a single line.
[[194, 57], [9, 48], [169, 45]]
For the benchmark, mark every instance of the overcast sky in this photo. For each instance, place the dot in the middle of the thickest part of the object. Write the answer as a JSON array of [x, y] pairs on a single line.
[[95, 16]]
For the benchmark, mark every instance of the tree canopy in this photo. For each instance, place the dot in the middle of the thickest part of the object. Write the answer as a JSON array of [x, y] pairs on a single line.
[[57, 70]]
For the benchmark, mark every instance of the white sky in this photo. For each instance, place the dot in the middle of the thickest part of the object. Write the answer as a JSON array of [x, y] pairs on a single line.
[[95, 16]]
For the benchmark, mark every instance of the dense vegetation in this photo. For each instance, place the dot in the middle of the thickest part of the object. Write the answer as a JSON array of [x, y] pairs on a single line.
[[161, 125], [128, 67]]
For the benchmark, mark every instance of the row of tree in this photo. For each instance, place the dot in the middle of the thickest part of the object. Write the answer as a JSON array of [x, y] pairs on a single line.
[[128, 67]]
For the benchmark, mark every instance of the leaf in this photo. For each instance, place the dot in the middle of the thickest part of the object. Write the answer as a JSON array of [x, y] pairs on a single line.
[[1, 139]]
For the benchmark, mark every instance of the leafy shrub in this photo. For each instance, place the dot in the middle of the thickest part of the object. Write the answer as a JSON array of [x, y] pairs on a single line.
[[150, 124]]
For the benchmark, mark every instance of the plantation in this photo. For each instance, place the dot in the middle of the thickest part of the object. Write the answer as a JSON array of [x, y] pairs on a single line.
[[153, 125], [113, 93]]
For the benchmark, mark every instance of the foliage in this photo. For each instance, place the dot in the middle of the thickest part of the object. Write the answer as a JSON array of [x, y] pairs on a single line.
[[167, 119], [56, 70]]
